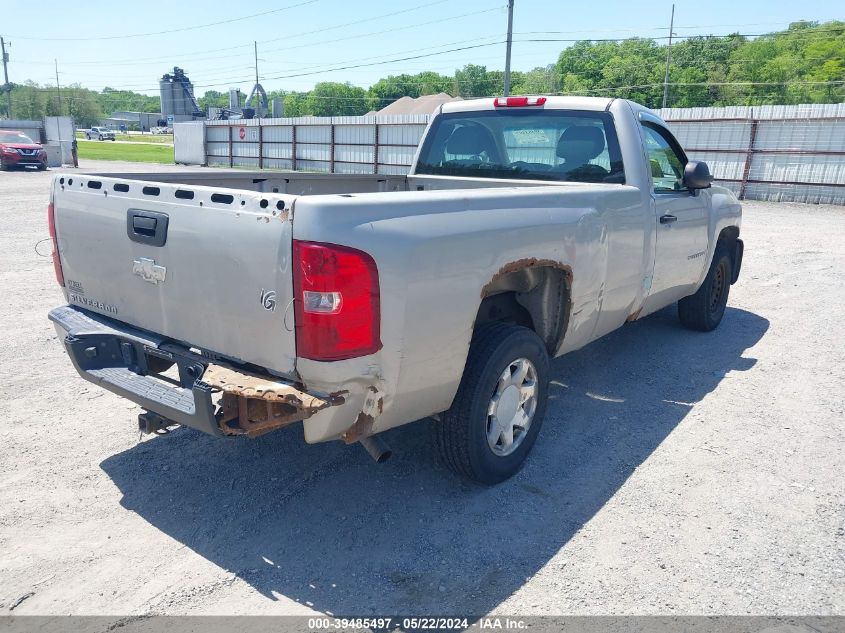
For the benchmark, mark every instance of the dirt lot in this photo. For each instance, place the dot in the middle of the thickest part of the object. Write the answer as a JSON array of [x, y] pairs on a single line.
[[677, 472]]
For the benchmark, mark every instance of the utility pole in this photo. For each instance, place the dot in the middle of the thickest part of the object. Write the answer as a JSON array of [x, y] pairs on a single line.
[[58, 87], [6, 85], [256, 61], [58, 117], [668, 58], [508, 50]]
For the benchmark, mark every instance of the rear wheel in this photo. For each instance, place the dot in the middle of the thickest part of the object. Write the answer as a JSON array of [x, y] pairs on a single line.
[[499, 408], [704, 310]]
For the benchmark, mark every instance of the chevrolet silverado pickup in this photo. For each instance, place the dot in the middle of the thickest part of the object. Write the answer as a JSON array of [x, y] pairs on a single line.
[[239, 302]]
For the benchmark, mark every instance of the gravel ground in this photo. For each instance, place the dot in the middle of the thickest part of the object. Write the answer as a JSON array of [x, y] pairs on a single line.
[[677, 472]]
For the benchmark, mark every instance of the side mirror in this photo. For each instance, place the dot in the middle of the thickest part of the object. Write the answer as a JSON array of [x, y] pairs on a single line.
[[697, 175]]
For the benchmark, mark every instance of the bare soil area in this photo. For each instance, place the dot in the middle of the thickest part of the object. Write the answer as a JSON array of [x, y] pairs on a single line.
[[676, 473]]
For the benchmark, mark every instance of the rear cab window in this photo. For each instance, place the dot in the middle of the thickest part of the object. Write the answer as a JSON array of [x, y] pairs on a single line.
[[557, 145]]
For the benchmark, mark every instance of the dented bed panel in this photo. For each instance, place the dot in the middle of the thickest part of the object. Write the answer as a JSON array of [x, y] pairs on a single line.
[[436, 251]]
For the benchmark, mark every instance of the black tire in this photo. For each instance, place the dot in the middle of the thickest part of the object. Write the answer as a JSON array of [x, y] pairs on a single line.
[[704, 310], [461, 432], [3, 165], [42, 167], [101, 137], [88, 137]]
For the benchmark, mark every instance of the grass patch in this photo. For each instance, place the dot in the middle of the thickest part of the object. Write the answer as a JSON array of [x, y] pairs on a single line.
[[134, 152], [145, 138], [135, 138]]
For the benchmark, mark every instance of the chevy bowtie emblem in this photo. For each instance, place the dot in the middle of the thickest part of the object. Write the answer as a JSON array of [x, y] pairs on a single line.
[[148, 270]]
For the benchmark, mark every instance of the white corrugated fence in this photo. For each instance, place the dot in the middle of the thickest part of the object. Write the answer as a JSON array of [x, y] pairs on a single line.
[[781, 153]]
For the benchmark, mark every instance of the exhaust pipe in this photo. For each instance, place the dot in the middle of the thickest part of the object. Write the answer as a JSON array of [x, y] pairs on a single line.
[[377, 448]]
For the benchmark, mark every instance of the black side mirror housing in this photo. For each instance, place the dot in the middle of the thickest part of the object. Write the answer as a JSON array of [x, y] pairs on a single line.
[[697, 175]]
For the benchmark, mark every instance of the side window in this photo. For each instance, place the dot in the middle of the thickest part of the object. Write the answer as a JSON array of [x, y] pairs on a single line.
[[666, 158]]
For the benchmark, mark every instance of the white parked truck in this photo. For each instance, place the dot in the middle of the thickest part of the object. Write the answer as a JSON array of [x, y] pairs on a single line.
[[240, 302]]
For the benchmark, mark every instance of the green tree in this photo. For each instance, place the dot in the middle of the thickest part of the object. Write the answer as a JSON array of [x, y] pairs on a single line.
[[330, 98], [432, 83], [782, 64], [296, 104], [474, 81], [387, 90], [213, 99], [29, 101], [112, 100], [81, 105], [539, 81], [803, 64]]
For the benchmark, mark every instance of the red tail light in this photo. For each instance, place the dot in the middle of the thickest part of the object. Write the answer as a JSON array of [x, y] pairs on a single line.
[[57, 262], [517, 102], [336, 302]]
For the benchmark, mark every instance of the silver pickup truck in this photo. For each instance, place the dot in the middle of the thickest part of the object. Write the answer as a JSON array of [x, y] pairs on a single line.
[[239, 302]]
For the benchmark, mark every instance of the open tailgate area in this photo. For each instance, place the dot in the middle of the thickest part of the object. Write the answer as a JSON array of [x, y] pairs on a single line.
[[204, 266]]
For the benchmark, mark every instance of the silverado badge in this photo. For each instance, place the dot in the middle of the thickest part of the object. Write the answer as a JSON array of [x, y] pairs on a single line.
[[148, 270]]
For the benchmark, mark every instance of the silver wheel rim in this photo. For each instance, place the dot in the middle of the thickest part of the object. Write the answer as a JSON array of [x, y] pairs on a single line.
[[512, 407]]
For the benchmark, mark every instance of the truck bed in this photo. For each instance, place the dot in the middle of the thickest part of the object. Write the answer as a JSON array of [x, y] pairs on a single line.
[[312, 184]]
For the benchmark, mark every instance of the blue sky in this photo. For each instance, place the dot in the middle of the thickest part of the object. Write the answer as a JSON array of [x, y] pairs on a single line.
[[101, 43]]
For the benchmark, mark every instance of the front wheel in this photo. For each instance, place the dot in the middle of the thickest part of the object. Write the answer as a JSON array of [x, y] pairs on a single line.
[[42, 166], [704, 310], [101, 138], [499, 408]]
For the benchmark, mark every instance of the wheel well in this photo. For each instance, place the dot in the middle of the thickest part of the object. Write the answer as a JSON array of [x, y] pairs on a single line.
[[727, 238], [729, 235], [533, 294]]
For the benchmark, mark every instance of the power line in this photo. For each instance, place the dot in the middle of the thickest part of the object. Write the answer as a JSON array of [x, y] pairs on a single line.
[[178, 30], [76, 99], [319, 68], [348, 66], [152, 60]]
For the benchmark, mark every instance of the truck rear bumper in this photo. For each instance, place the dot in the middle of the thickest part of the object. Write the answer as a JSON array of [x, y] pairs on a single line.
[[128, 362]]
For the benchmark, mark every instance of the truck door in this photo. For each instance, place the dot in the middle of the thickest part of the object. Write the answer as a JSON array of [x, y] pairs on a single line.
[[681, 218]]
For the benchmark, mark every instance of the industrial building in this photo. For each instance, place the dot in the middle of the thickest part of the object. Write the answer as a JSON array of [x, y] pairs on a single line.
[[138, 121], [177, 97], [177, 104]]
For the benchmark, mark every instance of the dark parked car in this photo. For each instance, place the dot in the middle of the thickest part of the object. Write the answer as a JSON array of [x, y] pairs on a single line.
[[18, 150]]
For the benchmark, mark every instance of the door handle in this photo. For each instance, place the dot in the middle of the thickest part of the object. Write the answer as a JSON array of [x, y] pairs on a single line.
[[147, 227], [144, 226], [668, 219]]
